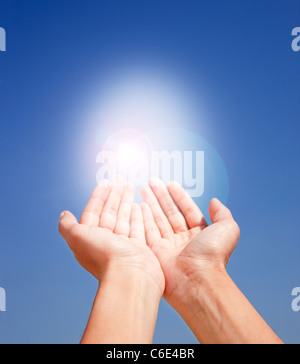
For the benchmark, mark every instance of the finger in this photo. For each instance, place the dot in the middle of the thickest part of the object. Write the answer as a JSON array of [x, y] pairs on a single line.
[[177, 221], [160, 219], [151, 230], [108, 217], [218, 212], [67, 221], [123, 218], [188, 207], [137, 230], [93, 210]]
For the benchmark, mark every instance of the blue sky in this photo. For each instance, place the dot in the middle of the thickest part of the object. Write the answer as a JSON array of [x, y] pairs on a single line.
[[234, 58]]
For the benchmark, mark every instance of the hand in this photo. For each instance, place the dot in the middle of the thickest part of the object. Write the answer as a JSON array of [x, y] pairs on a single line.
[[111, 235], [181, 238]]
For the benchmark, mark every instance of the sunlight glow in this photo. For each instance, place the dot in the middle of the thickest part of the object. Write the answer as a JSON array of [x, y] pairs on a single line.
[[127, 155]]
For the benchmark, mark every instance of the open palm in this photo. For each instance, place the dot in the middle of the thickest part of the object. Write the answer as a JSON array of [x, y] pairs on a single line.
[[179, 235], [111, 232]]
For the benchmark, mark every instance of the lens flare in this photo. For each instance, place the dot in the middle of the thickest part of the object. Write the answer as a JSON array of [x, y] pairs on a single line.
[[127, 155], [129, 152]]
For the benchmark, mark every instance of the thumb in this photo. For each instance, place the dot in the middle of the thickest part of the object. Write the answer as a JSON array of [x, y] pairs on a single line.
[[218, 212], [66, 222]]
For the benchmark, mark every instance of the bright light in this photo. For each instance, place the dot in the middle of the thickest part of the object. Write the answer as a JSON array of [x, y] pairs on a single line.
[[127, 155], [125, 152]]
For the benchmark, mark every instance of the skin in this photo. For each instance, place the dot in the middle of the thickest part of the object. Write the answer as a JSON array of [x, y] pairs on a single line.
[[109, 242], [193, 257], [163, 247]]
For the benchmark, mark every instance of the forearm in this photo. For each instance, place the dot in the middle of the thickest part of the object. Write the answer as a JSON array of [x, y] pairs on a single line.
[[217, 312], [124, 311]]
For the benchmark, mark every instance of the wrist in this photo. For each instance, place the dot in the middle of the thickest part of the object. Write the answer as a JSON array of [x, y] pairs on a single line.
[[126, 305], [194, 284], [132, 277], [217, 312]]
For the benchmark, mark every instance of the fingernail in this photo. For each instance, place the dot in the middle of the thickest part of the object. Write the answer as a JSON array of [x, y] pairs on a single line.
[[119, 180], [61, 215], [156, 182], [175, 184]]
